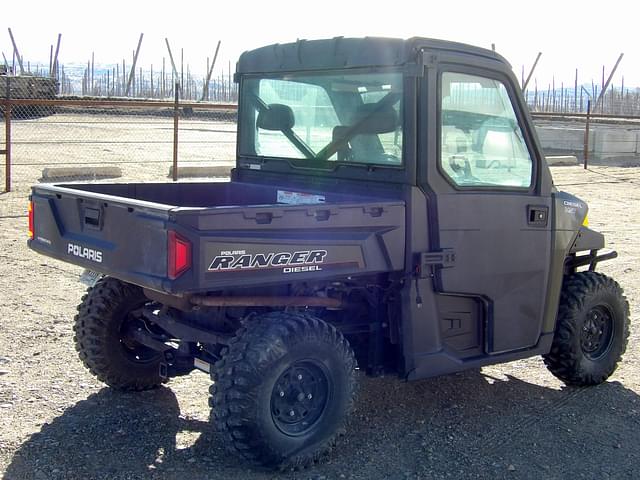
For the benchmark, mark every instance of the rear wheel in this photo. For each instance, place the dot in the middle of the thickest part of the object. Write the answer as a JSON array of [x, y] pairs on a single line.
[[591, 330], [283, 389], [105, 315]]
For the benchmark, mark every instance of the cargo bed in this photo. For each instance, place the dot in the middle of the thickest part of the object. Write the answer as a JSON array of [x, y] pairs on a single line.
[[198, 237]]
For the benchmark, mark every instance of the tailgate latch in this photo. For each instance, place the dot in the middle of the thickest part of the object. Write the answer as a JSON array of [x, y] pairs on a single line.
[[91, 218]]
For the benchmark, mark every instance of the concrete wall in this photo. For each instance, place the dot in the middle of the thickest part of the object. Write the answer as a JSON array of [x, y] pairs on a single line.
[[562, 139], [605, 141]]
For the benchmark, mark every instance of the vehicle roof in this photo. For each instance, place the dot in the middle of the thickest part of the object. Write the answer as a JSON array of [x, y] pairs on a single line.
[[340, 52]]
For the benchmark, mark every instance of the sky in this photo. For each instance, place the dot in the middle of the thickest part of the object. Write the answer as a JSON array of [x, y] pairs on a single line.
[[570, 34]]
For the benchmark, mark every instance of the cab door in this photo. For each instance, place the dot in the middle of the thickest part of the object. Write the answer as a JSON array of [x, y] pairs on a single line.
[[487, 206]]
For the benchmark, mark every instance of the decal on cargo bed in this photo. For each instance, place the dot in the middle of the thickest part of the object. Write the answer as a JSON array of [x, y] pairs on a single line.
[[299, 198], [290, 262], [84, 252]]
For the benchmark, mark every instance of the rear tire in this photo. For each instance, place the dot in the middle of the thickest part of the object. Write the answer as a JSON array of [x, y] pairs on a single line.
[[591, 330], [283, 390], [103, 314]]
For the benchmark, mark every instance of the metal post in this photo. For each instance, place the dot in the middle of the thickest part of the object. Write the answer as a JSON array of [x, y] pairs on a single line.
[[133, 66], [7, 152], [205, 89], [176, 115], [16, 53], [173, 64], [605, 85], [533, 69], [55, 59], [586, 135]]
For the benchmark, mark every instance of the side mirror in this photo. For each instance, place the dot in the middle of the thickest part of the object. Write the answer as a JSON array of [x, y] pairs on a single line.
[[276, 117]]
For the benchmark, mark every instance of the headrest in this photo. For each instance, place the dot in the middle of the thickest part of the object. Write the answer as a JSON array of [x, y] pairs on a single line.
[[376, 119]]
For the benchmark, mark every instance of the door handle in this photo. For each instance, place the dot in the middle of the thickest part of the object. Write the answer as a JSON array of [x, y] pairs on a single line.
[[537, 215]]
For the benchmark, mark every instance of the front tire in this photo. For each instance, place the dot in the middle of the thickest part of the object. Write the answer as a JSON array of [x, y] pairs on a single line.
[[100, 325], [283, 390], [591, 330]]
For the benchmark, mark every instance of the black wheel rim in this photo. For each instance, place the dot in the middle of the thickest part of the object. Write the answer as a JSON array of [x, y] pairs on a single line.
[[300, 397], [133, 350], [597, 332]]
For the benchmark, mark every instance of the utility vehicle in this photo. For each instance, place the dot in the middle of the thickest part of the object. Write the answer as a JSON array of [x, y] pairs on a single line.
[[390, 211]]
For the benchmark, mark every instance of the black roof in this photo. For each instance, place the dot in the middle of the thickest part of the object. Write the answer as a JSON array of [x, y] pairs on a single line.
[[343, 52]]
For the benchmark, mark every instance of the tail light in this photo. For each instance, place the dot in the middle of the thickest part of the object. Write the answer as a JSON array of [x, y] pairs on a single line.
[[179, 255], [30, 219]]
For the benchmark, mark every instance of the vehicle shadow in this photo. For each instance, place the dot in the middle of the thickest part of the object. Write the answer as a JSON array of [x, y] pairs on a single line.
[[112, 435], [460, 426]]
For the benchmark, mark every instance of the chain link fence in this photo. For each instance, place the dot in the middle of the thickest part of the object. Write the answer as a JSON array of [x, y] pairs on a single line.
[[56, 140], [71, 140]]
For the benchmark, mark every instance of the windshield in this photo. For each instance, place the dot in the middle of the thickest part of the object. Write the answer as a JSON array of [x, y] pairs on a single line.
[[352, 118]]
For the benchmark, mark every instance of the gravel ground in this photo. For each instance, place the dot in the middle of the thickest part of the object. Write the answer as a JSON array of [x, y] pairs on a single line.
[[513, 421]]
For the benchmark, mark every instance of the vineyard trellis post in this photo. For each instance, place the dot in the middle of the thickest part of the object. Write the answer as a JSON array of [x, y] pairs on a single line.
[[586, 135], [176, 118], [7, 137]]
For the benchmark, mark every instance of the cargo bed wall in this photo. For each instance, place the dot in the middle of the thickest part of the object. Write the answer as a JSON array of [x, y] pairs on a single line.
[[120, 231], [276, 244], [211, 194]]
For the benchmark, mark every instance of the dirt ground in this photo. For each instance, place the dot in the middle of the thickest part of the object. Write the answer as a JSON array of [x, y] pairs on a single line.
[[512, 421]]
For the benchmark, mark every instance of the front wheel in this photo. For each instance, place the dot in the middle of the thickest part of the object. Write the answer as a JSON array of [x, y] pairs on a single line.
[[283, 389], [591, 330]]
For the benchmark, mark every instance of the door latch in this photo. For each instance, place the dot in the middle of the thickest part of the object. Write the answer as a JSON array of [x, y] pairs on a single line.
[[92, 218], [537, 215]]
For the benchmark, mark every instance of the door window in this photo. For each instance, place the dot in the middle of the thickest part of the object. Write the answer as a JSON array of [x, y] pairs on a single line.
[[481, 141]]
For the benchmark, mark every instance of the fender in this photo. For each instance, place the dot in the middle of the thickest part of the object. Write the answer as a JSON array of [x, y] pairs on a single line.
[[587, 239]]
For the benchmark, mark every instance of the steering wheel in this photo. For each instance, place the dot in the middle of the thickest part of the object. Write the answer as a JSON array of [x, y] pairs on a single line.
[[461, 167]]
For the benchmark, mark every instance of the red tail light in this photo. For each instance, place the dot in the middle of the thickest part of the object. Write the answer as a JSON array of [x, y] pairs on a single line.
[[179, 255], [30, 219]]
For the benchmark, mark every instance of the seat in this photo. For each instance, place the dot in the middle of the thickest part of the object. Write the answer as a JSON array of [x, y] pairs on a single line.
[[344, 152]]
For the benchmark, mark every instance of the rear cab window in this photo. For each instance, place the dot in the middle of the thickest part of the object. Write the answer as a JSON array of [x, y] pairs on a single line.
[[348, 117]]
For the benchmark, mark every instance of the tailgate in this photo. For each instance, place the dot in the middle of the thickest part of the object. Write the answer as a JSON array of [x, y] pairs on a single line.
[[120, 237]]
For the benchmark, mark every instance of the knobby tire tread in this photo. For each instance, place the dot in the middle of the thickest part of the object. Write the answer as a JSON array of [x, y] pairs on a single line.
[[565, 358], [237, 373], [91, 325]]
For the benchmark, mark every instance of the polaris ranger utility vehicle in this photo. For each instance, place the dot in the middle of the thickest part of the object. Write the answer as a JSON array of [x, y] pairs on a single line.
[[390, 208]]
